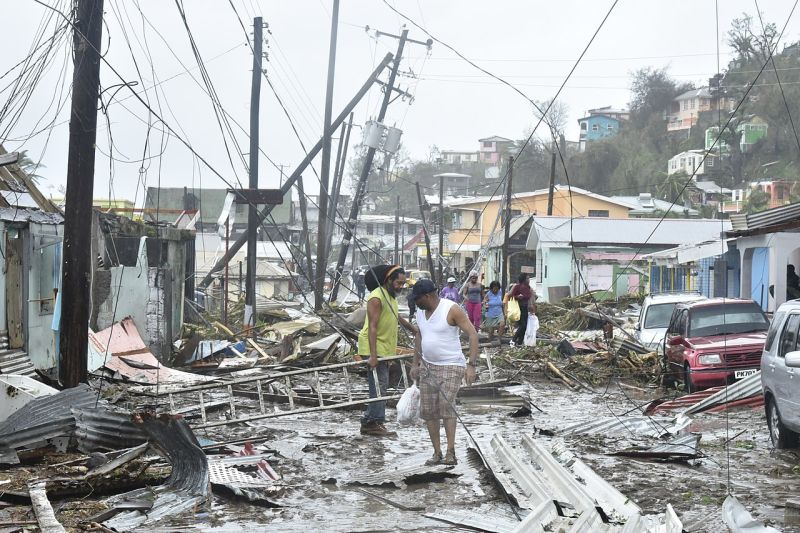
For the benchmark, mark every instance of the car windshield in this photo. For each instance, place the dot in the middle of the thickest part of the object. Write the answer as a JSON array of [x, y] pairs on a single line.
[[726, 319], [658, 315], [422, 275]]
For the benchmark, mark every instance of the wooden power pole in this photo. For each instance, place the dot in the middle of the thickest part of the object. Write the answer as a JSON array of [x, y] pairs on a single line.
[[425, 230], [397, 233], [78, 214], [507, 226], [252, 212], [322, 240]]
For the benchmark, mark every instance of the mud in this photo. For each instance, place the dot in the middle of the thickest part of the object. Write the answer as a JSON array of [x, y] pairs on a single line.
[[319, 453]]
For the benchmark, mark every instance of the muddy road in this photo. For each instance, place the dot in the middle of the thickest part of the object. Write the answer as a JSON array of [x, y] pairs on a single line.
[[319, 455]]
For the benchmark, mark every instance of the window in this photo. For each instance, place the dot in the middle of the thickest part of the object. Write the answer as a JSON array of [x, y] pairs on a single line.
[[773, 330], [683, 162], [779, 192], [692, 103], [727, 319], [516, 212], [388, 229], [673, 164], [610, 126], [370, 229], [595, 127], [658, 315], [487, 144], [584, 126], [709, 161], [412, 229], [599, 213], [789, 336]]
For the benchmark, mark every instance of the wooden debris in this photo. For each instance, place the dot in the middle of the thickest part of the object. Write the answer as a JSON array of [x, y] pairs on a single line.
[[41, 506]]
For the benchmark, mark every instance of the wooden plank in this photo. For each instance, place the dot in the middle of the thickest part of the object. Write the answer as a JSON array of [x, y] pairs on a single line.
[[42, 508], [14, 297], [43, 203]]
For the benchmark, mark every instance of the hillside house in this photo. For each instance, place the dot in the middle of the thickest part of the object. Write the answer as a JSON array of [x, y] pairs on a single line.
[[600, 123], [686, 108], [693, 162]]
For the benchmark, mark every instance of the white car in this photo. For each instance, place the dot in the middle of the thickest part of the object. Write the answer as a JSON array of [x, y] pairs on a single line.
[[780, 363], [655, 314]]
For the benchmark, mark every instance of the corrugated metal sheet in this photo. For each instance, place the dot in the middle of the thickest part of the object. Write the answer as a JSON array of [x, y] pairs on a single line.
[[44, 418], [16, 362], [14, 214], [653, 426], [543, 476], [188, 485], [480, 520], [405, 474], [746, 388], [104, 429], [681, 447]]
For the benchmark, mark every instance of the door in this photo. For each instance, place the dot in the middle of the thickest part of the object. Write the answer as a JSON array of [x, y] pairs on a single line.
[[786, 382], [674, 354], [14, 292]]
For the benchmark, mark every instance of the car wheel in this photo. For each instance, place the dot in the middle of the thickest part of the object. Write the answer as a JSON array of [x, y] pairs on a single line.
[[781, 436], [688, 386]]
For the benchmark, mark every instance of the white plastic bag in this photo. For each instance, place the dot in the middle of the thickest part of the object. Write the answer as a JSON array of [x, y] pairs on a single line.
[[408, 406], [531, 330]]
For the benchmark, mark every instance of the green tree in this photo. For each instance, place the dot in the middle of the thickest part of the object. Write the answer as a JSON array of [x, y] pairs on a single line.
[[29, 166], [756, 201]]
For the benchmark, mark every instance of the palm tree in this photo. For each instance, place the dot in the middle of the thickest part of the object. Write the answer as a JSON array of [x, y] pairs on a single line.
[[29, 166], [673, 187]]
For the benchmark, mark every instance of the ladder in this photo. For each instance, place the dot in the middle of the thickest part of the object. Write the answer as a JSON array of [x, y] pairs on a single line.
[[269, 387]]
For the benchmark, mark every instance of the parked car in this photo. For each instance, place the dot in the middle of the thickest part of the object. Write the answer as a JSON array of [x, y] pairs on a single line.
[[412, 276], [655, 314], [714, 342], [778, 363]]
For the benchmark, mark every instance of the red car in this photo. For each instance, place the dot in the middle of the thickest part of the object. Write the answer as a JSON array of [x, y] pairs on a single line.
[[714, 342]]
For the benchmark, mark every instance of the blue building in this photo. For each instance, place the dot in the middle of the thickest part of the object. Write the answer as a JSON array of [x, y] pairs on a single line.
[[601, 123]]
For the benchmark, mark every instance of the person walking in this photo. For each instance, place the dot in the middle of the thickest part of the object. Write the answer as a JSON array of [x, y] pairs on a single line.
[[493, 303], [361, 287], [473, 294], [450, 291], [440, 366], [526, 300], [378, 339]]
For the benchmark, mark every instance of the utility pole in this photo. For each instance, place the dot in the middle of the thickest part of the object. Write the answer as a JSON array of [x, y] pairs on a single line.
[[425, 230], [552, 187], [290, 181], [507, 224], [337, 180], [252, 212], [78, 213], [397, 232], [309, 266], [226, 281], [281, 167], [362, 181], [441, 231], [322, 241]]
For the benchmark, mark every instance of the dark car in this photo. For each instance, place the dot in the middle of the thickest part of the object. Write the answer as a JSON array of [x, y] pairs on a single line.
[[714, 342]]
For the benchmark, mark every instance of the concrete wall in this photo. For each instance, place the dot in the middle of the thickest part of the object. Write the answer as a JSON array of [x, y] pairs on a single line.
[[554, 269]]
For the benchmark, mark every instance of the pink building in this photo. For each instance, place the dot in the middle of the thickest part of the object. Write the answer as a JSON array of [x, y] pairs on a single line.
[[492, 149]]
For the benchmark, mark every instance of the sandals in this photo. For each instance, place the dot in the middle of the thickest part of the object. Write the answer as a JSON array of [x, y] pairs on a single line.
[[435, 459], [449, 458]]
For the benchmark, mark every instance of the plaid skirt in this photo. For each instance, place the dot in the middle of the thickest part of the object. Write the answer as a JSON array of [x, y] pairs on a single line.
[[438, 387]]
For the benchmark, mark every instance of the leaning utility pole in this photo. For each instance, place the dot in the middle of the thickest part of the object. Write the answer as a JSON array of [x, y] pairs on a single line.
[[338, 178], [397, 232], [551, 188], [309, 266], [425, 230], [439, 273], [362, 181], [322, 241], [290, 181], [507, 225], [78, 213], [252, 212]]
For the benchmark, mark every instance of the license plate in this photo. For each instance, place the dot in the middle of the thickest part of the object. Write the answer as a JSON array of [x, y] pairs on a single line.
[[739, 374]]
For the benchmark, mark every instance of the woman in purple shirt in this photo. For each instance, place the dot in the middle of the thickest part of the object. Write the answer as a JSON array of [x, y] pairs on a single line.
[[450, 291]]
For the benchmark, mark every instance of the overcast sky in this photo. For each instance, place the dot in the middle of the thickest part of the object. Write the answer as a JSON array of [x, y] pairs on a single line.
[[532, 44]]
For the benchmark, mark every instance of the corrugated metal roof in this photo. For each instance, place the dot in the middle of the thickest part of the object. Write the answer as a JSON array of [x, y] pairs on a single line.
[[481, 520], [746, 388], [16, 362], [43, 418], [559, 232], [653, 426], [765, 219], [13, 214], [104, 429], [680, 447]]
